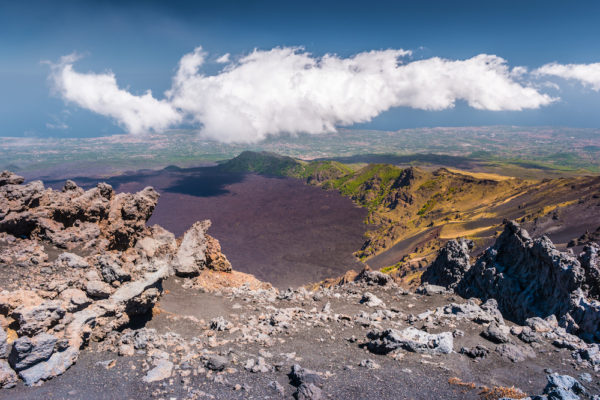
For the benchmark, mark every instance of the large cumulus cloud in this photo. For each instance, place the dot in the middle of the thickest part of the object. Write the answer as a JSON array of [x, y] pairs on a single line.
[[288, 90]]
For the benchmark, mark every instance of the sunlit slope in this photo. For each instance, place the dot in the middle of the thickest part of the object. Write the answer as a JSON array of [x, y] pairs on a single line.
[[413, 211]]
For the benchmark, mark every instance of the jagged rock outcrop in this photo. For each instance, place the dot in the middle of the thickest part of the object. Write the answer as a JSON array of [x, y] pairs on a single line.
[[215, 259], [530, 278], [73, 217], [451, 264], [10, 178]]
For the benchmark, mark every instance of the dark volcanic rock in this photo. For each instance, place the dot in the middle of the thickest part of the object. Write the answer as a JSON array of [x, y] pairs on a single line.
[[451, 264], [527, 277], [308, 383], [216, 362], [308, 392], [478, 351]]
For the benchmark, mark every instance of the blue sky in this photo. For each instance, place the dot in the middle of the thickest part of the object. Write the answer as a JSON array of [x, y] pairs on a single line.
[[141, 43]]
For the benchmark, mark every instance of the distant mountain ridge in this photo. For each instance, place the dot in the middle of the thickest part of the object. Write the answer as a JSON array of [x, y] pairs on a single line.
[[263, 162]]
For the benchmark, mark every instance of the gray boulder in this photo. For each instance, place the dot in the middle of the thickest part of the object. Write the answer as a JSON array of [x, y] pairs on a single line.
[[374, 278], [410, 339], [486, 313], [430, 290], [307, 382], [563, 387], [29, 351], [57, 364], [497, 333], [476, 352], [308, 392]]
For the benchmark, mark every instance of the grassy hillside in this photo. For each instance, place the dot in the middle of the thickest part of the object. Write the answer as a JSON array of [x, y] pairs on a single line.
[[413, 211]]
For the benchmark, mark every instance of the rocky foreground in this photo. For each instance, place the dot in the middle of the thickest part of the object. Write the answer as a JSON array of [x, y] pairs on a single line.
[[122, 310]]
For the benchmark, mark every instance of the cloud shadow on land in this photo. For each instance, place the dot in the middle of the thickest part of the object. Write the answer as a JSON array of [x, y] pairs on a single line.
[[198, 182], [204, 182]]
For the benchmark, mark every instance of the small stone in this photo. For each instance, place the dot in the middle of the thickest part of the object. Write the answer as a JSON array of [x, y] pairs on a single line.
[[216, 362], [276, 386], [161, 371], [369, 299], [369, 364], [126, 350], [98, 289], [586, 377], [219, 324]]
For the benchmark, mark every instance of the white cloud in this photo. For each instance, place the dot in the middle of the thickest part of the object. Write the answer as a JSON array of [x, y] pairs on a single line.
[[289, 90], [224, 59], [586, 74], [101, 94], [57, 125]]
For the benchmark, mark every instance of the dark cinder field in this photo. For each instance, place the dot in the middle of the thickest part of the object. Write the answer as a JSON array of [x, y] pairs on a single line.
[[279, 229]]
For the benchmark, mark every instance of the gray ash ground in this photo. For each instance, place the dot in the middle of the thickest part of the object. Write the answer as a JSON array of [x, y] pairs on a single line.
[[298, 327]]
